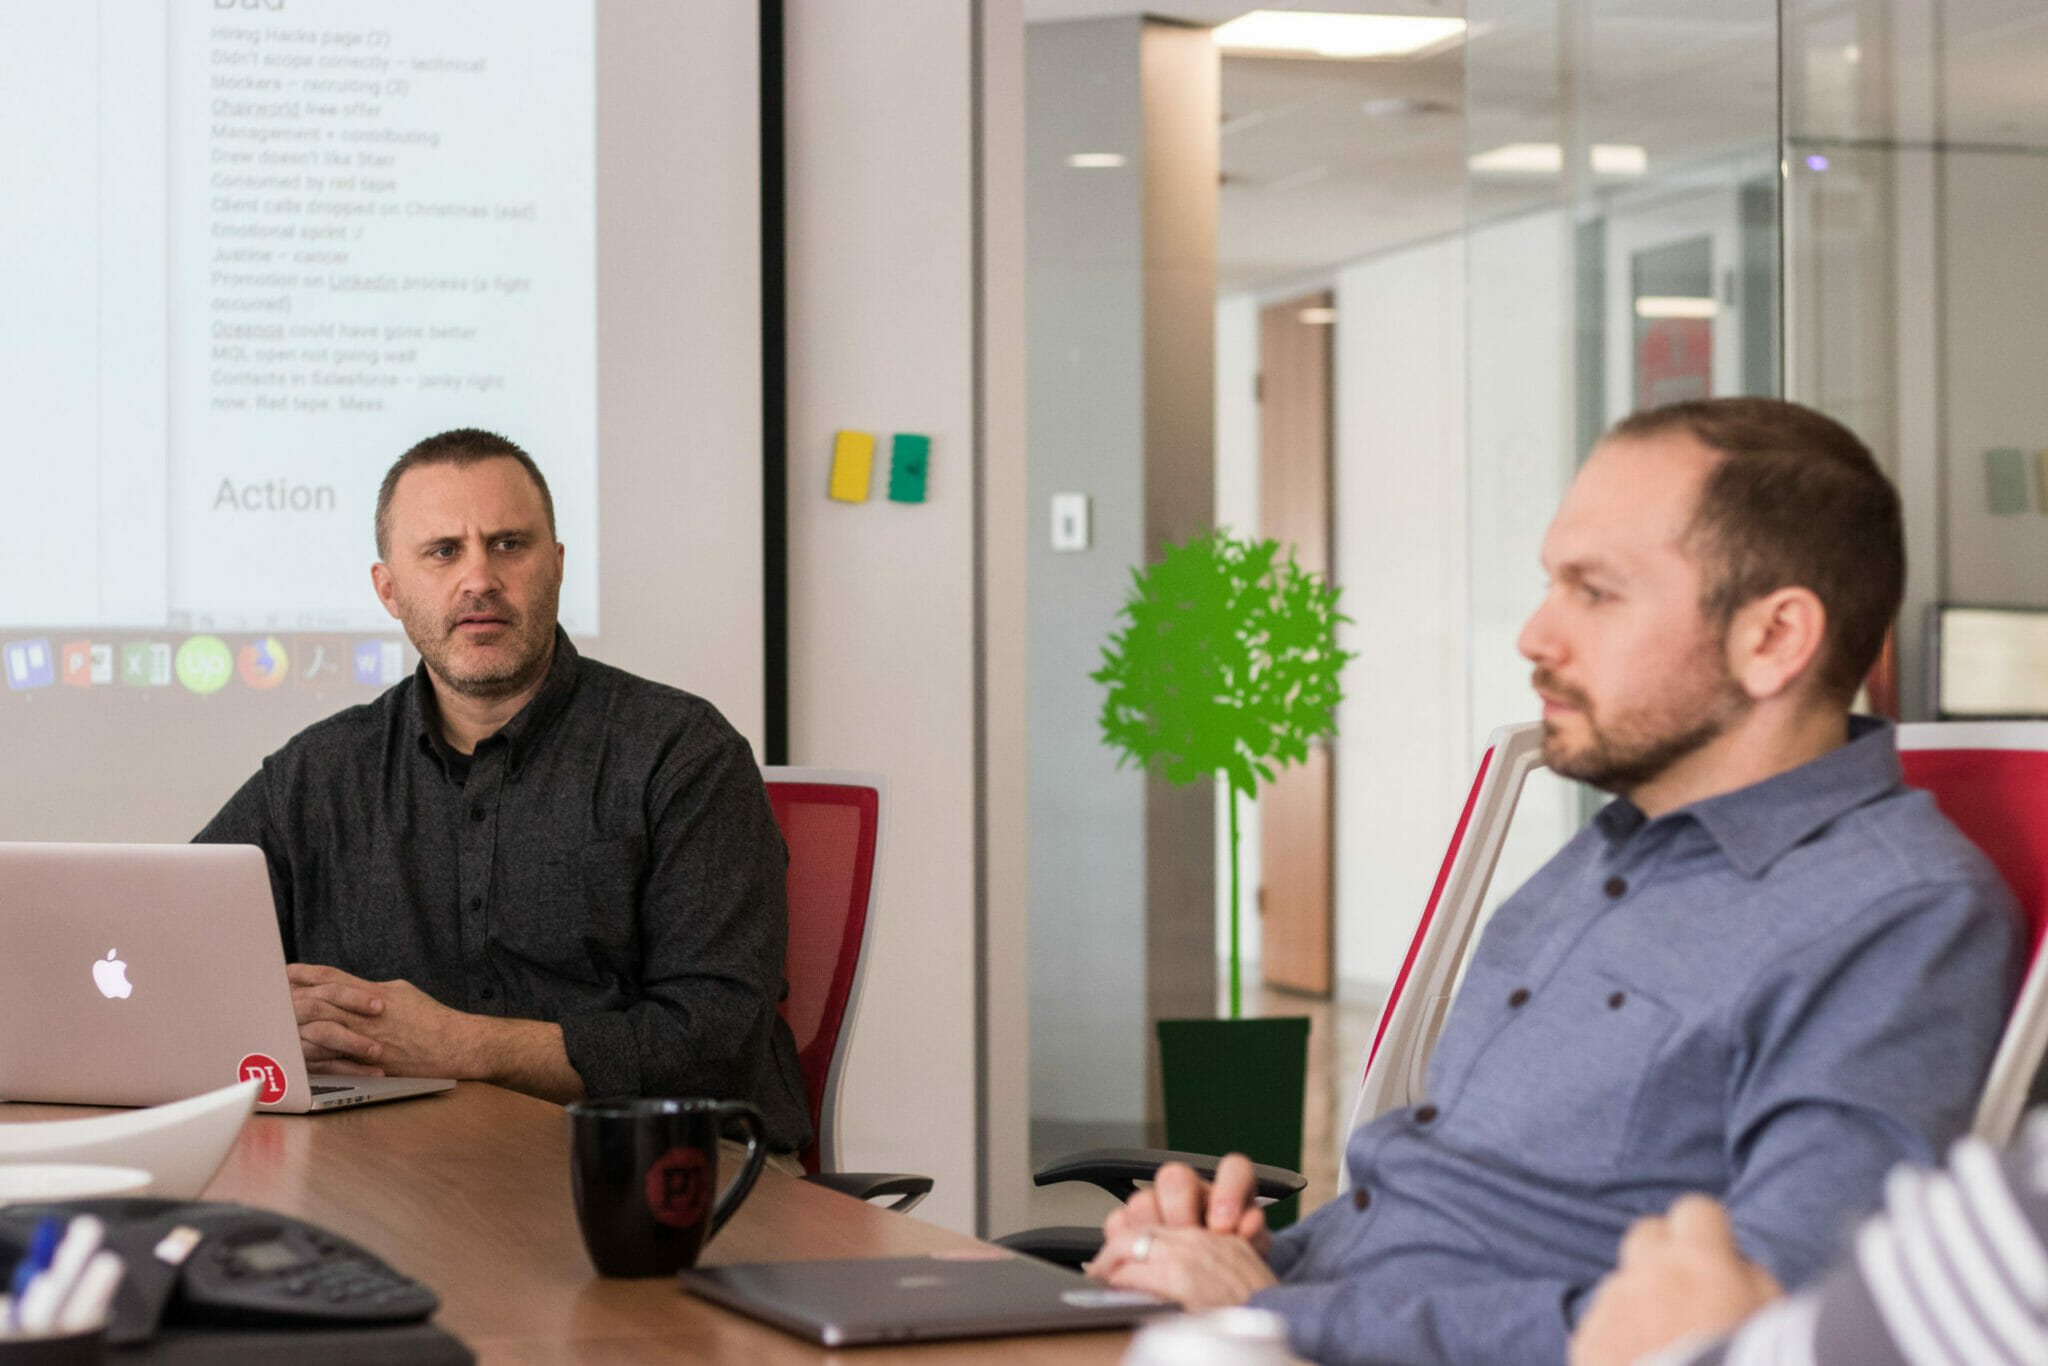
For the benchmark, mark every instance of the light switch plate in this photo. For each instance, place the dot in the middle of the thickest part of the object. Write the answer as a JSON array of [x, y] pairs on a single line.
[[1070, 529]]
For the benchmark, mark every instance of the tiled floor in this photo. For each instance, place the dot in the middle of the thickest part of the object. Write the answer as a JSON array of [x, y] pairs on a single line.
[[1338, 1033]]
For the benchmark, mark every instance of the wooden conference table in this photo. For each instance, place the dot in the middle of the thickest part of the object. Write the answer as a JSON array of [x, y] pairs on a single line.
[[469, 1192]]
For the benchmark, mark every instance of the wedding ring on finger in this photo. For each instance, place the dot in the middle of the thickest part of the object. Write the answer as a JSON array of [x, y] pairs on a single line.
[[1142, 1248]]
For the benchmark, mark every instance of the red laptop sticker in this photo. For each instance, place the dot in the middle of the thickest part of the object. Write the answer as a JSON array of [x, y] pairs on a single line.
[[262, 1067], [679, 1187]]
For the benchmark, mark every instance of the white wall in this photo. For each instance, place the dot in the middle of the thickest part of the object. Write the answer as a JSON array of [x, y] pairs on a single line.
[[1519, 418], [679, 368], [1402, 749], [883, 337], [1994, 355], [1237, 508]]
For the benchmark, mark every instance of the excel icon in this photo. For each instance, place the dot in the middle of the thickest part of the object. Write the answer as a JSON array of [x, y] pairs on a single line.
[[145, 664]]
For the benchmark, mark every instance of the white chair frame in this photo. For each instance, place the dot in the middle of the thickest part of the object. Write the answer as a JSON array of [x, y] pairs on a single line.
[[1397, 1060]]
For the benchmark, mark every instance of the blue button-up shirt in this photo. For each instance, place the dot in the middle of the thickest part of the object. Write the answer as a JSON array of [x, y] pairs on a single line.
[[1772, 996]]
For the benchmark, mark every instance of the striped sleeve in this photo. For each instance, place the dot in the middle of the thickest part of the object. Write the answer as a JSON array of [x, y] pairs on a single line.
[[1952, 1273]]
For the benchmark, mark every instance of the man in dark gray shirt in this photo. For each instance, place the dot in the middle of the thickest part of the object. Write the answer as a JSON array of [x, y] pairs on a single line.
[[520, 865]]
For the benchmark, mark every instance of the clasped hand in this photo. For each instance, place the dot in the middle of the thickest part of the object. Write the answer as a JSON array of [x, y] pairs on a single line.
[[351, 1027], [1185, 1240], [1677, 1277]]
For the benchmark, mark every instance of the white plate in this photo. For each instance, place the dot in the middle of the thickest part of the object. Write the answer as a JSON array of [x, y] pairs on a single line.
[[26, 1182]]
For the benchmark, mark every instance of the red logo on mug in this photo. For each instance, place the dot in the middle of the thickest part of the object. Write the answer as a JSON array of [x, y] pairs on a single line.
[[262, 1067], [679, 1187]]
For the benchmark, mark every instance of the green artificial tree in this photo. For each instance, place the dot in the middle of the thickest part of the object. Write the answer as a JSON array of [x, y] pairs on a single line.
[[1227, 664]]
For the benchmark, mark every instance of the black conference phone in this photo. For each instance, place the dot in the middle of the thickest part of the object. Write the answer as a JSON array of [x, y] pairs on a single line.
[[223, 1265]]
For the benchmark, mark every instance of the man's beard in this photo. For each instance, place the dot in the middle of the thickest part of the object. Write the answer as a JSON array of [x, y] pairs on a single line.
[[1623, 755], [529, 639]]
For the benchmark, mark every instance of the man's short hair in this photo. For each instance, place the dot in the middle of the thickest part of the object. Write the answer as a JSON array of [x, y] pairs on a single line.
[[1796, 500], [463, 447]]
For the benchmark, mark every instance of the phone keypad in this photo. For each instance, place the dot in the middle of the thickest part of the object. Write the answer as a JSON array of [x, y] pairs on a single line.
[[298, 1274]]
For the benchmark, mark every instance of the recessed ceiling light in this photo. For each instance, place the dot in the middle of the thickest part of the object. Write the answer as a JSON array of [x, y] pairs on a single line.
[[1547, 158], [1619, 158], [1335, 35], [1519, 158], [1317, 317], [1095, 161], [1676, 306]]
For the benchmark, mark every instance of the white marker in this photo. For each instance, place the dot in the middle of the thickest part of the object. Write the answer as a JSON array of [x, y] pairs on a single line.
[[47, 1292], [86, 1308]]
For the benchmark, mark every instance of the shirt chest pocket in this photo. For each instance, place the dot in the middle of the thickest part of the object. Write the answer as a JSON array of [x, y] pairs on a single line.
[[574, 910], [1561, 1079]]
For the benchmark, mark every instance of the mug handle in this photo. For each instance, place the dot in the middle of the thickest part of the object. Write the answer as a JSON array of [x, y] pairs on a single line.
[[748, 1118]]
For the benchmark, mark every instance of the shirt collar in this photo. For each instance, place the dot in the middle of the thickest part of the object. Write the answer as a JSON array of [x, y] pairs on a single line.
[[519, 732], [1757, 825]]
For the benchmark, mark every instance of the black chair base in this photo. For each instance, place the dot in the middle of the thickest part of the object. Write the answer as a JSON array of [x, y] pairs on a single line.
[[1067, 1245]]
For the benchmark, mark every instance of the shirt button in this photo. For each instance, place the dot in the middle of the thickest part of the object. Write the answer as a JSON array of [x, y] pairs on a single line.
[[1360, 1198], [476, 813], [476, 903], [1615, 887], [488, 994], [1426, 1115], [1614, 1002], [1518, 998]]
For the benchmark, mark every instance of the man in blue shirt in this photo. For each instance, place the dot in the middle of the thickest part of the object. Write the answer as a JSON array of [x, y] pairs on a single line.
[[1768, 970]]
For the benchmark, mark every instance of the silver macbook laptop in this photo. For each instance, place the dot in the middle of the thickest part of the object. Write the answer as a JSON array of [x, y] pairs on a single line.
[[974, 1293], [135, 974]]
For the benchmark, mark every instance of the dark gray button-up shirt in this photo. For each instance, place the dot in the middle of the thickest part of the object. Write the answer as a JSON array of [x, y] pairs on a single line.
[[1771, 996], [608, 861]]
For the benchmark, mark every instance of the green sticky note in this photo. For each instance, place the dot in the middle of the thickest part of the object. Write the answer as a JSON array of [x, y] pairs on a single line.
[[2005, 481], [910, 461]]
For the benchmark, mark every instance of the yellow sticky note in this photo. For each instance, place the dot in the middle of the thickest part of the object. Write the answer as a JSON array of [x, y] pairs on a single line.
[[853, 459]]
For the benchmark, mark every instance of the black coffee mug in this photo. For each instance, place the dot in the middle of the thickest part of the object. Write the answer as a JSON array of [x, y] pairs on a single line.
[[644, 1170]]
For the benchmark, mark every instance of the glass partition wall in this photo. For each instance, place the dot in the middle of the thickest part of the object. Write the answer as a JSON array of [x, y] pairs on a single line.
[[1622, 252], [1834, 200], [1916, 284]]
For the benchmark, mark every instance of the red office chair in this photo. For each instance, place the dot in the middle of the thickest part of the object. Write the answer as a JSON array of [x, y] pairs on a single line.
[[832, 824], [1990, 778]]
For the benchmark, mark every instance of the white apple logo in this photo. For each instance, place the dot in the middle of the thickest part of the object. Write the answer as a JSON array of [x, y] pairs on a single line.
[[110, 975]]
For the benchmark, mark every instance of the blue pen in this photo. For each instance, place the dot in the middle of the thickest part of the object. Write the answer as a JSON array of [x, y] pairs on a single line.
[[42, 1246]]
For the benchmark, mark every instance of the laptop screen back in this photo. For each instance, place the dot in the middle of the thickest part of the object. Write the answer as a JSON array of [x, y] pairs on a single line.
[[137, 974]]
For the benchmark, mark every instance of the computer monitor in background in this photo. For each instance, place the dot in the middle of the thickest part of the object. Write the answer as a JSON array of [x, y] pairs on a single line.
[[1989, 662]]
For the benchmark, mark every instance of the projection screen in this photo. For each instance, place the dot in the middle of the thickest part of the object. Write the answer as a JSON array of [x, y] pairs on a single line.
[[252, 250]]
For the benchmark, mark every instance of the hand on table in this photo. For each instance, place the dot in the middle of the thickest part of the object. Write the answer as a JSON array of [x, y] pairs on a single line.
[[1677, 1276], [354, 1028], [1197, 1269], [351, 1027], [1204, 1246], [1180, 1199]]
